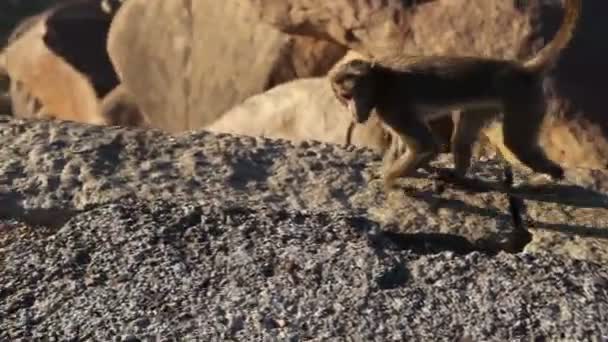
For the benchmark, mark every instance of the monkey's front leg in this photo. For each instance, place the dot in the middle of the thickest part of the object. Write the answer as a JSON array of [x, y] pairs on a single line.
[[421, 149], [467, 128], [394, 151]]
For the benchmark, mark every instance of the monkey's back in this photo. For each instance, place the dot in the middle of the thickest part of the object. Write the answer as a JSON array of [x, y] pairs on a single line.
[[448, 82]]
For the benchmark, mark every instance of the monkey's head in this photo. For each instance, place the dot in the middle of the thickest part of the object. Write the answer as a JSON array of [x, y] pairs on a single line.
[[354, 85]]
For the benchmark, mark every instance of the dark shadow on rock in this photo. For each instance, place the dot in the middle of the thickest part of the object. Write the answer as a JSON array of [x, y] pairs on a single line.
[[565, 194], [384, 238], [381, 239], [432, 243], [107, 158], [397, 276], [255, 166], [53, 218], [435, 201], [572, 195], [564, 228]]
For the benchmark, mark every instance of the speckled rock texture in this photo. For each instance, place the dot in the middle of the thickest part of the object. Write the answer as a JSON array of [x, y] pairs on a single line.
[[177, 270], [111, 233]]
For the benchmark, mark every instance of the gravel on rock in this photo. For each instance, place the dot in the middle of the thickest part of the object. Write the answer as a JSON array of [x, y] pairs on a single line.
[[177, 270]]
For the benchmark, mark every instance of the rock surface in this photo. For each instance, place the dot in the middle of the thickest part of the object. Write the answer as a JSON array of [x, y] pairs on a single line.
[[112, 232], [110, 163], [134, 271]]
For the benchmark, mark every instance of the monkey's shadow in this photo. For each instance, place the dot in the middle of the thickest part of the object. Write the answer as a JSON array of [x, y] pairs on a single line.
[[562, 194]]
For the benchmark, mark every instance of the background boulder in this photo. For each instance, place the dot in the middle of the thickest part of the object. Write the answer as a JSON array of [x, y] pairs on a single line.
[[188, 62]]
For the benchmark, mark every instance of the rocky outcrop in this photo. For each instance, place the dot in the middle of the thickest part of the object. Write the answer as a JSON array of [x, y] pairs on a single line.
[[185, 270], [102, 228]]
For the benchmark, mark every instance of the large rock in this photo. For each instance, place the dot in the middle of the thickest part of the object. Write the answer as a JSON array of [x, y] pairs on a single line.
[[188, 62]]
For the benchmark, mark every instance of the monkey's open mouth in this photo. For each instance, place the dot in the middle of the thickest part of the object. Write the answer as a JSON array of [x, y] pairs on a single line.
[[346, 96]]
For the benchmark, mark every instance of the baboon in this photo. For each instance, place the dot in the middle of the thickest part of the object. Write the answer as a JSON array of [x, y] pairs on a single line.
[[408, 91]]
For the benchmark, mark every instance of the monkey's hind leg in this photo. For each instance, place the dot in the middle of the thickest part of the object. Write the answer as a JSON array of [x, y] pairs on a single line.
[[467, 128], [524, 111], [394, 150], [421, 149]]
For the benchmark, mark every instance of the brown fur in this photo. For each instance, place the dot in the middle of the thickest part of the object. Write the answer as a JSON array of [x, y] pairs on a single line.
[[374, 131], [407, 92]]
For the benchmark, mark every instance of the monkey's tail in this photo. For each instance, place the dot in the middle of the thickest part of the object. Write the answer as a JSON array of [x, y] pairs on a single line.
[[545, 58]]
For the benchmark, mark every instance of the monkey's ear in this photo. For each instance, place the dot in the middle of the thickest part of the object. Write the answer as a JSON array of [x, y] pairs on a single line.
[[361, 66]]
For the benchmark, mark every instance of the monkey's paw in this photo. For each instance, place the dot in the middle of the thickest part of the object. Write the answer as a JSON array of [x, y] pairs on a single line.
[[389, 184]]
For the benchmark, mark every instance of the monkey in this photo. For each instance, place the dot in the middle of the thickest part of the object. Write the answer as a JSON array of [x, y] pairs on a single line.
[[406, 92]]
